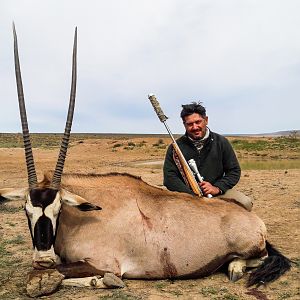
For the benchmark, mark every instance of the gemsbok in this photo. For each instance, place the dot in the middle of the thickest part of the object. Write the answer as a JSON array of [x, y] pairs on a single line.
[[142, 231]]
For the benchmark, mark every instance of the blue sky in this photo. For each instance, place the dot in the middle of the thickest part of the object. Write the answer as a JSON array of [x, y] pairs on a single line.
[[241, 58]]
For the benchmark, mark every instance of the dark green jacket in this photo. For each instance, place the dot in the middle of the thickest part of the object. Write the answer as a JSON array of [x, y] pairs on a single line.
[[217, 163]]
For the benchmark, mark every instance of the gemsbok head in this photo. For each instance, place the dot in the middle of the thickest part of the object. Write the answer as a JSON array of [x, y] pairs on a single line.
[[44, 199]]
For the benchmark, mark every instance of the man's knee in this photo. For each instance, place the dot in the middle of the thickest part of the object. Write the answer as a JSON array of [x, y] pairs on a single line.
[[241, 198]]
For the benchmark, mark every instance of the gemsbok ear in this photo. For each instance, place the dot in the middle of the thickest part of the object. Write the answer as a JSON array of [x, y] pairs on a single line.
[[13, 193], [77, 201]]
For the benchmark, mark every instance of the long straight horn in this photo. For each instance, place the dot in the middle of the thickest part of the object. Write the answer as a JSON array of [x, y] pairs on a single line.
[[65, 140], [32, 179]]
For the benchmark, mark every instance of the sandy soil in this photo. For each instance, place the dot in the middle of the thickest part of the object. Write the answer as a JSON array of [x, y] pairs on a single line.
[[276, 195]]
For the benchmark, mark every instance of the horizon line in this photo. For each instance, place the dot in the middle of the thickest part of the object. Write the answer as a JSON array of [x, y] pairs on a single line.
[[275, 133]]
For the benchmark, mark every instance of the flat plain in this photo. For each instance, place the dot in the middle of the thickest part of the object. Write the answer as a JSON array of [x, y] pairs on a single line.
[[270, 175]]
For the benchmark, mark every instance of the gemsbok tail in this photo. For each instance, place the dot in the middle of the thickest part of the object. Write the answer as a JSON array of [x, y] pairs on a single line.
[[272, 268]]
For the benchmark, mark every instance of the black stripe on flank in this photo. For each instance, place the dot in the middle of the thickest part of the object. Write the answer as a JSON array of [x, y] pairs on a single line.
[[43, 234]]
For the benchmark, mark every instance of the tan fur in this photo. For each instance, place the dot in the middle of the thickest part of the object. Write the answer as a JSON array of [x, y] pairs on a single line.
[[147, 232]]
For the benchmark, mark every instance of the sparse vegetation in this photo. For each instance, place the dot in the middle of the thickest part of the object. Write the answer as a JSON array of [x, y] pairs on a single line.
[[4, 254], [207, 291], [262, 144], [7, 262], [9, 209], [11, 224], [117, 145], [161, 284], [19, 239], [120, 295], [141, 144], [53, 140], [230, 297], [269, 164], [218, 293], [176, 292], [243, 144], [294, 135], [285, 295], [160, 144], [128, 148]]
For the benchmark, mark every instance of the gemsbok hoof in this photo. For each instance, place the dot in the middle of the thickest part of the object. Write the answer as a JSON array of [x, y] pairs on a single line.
[[43, 282], [236, 269]]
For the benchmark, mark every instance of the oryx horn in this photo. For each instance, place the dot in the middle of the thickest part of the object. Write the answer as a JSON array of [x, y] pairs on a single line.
[[32, 179], [65, 140]]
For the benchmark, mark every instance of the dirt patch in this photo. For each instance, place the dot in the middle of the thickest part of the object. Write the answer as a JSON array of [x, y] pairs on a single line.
[[276, 196]]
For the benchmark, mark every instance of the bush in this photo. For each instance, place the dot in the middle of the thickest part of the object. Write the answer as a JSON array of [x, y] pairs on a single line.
[[117, 145], [159, 144]]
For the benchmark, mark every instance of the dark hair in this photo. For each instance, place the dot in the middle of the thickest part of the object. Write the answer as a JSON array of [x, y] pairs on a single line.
[[194, 107]]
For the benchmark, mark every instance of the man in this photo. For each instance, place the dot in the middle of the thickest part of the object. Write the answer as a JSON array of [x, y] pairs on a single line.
[[214, 156]]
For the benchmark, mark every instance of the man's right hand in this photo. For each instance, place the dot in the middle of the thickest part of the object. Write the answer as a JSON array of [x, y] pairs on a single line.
[[208, 188]]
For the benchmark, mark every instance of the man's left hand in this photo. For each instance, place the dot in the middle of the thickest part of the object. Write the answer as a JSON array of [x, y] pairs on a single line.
[[208, 188]]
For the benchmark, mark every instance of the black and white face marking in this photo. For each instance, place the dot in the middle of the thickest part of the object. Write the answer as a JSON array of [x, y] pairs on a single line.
[[42, 209]]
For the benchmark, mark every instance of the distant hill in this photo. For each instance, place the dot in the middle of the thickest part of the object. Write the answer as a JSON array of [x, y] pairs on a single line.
[[286, 132], [270, 134]]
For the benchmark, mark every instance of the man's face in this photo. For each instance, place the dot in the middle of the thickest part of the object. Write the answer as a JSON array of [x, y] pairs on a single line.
[[195, 126]]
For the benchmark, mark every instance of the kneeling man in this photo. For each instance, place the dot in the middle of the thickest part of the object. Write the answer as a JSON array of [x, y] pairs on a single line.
[[213, 154]]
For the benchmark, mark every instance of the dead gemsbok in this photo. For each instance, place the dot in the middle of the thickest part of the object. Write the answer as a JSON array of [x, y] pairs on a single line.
[[142, 231]]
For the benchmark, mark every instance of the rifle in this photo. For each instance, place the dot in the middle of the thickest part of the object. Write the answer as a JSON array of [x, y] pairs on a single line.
[[187, 171]]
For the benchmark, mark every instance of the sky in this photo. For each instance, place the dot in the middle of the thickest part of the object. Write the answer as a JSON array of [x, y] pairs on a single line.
[[240, 58]]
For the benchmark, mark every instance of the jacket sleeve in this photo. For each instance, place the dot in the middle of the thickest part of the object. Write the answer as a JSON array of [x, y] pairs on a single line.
[[231, 167], [172, 177]]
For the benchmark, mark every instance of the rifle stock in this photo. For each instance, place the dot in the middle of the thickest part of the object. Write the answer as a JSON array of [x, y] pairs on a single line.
[[187, 171]]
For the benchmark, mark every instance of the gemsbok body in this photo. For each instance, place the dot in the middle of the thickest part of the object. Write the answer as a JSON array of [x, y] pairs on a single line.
[[142, 231]]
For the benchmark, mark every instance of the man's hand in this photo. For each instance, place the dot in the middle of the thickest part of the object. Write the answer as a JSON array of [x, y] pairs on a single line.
[[208, 188]]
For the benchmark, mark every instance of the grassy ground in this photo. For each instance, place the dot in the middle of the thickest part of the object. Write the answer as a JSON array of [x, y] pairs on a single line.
[[257, 153], [271, 178], [53, 140]]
